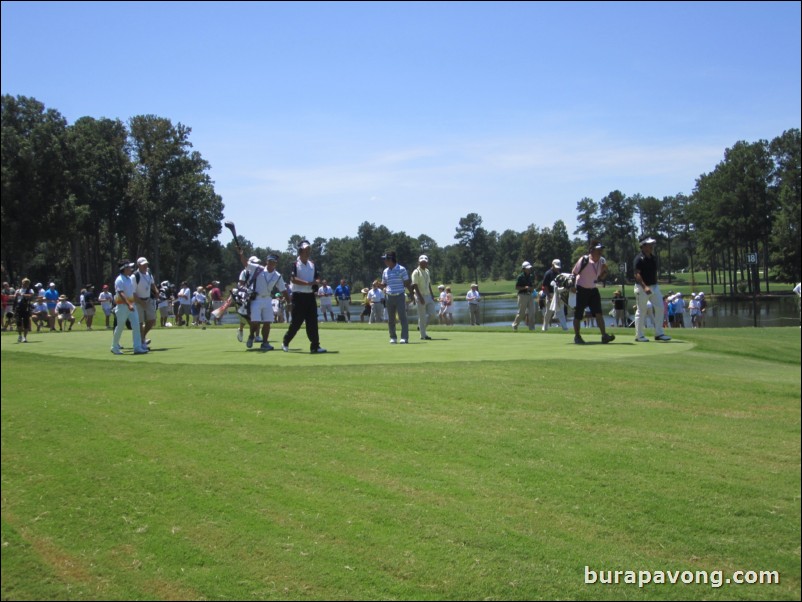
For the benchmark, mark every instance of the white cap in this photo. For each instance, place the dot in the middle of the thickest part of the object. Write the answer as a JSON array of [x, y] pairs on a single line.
[[142, 261], [557, 264], [423, 258], [526, 265]]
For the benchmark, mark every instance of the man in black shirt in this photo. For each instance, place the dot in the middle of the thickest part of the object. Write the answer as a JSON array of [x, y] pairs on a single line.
[[525, 285], [647, 289]]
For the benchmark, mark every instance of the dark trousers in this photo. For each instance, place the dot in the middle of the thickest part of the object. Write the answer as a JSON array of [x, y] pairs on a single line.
[[304, 309]]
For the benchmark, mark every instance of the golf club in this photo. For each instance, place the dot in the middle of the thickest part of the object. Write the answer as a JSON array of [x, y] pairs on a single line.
[[230, 225]]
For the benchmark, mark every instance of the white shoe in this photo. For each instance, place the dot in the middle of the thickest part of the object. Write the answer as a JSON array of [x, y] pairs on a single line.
[[285, 348], [641, 339], [239, 336], [319, 350], [403, 341], [393, 341]]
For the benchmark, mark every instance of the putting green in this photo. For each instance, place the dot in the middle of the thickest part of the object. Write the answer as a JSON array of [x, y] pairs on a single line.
[[347, 345]]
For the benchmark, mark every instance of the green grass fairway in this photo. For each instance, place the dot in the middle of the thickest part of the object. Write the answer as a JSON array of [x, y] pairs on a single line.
[[347, 345], [483, 464]]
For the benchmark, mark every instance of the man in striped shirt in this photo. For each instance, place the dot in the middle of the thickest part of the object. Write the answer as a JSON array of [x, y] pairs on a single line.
[[395, 279]]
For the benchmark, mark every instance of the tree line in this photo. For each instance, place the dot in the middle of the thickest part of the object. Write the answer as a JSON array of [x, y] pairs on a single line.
[[78, 198]]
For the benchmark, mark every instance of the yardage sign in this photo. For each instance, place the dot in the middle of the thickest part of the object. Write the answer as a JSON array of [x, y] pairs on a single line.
[[751, 258]]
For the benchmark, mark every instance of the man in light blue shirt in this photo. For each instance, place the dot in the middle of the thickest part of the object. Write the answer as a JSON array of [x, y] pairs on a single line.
[[124, 293], [395, 279]]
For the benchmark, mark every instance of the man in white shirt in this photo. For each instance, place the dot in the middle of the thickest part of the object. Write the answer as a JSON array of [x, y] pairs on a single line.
[[325, 293], [146, 292], [305, 283], [184, 315], [376, 298], [262, 281], [473, 297]]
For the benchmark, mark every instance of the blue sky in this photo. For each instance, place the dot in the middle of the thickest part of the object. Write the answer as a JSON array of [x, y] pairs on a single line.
[[316, 117]]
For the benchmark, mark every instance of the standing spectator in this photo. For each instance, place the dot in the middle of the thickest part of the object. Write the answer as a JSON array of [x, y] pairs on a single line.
[[216, 298], [81, 305], [288, 305], [620, 309], [23, 300], [395, 279], [693, 310], [441, 296], [343, 295], [65, 312], [145, 293], [679, 311], [8, 306], [702, 309], [474, 298], [90, 301], [376, 298], [423, 295], [184, 313], [589, 270], [124, 287], [262, 281], [525, 285], [278, 306], [165, 303], [305, 283], [325, 293], [106, 303], [668, 308], [51, 297], [199, 307], [449, 314], [648, 290]]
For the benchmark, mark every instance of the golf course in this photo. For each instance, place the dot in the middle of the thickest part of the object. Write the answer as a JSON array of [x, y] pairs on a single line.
[[484, 464]]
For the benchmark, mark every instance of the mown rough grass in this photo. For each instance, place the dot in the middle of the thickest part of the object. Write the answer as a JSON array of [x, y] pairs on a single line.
[[374, 479]]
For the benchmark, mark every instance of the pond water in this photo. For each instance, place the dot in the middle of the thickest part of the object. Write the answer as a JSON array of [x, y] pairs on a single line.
[[721, 312]]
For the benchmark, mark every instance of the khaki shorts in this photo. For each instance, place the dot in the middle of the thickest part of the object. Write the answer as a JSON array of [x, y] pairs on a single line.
[[146, 310]]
